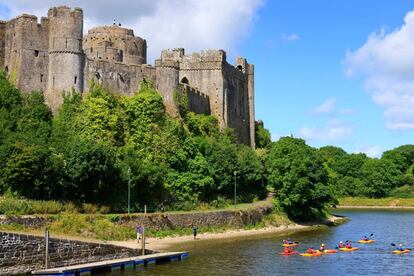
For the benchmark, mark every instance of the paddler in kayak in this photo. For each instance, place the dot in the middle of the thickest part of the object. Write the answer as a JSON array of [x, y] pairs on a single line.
[[365, 238], [288, 241], [322, 248], [341, 244], [400, 247], [348, 244], [311, 251], [287, 250]]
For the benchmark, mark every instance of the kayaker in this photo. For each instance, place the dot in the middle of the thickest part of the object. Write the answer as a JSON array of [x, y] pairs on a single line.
[[322, 248], [311, 251], [348, 245], [341, 244], [400, 247], [288, 241], [287, 250]]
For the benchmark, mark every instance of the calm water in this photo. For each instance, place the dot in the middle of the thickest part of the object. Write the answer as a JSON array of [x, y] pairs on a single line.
[[258, 256]]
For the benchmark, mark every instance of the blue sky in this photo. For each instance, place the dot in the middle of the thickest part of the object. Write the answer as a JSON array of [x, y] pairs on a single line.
[[330, 71], [295, 76]]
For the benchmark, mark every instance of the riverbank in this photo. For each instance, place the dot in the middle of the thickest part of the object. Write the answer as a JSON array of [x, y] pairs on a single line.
[[170, 241], [372, 203]]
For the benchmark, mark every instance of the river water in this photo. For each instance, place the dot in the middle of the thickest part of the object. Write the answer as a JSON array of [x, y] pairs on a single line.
[[258, 255]]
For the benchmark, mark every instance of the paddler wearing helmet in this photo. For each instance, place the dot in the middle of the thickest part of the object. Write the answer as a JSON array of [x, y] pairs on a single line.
[[322, 248]]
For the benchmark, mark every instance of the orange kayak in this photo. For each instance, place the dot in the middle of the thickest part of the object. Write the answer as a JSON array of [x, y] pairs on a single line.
[[312, 255], [290, 244], [401, 252], [288, 254]]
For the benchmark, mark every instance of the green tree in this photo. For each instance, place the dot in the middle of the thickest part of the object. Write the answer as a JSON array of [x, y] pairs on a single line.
[[262, 135], [379, 177], [298, 176]]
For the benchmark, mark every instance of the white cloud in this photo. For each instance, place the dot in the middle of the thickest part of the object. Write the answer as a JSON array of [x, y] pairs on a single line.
[[290, 37], [386, 61], [371, 151], [326, 106], [332, 132], [194, 25]]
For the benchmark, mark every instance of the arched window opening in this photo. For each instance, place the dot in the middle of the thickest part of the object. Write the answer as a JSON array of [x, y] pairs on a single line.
[[240, 67]]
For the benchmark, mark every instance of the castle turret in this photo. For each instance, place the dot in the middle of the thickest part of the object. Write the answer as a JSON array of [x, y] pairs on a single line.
[[66, 58], [167, 75]]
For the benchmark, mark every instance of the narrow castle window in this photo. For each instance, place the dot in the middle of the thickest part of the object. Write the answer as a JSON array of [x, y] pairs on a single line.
[[184, 80], [91, 50], [36, 53], [76, 78], [41, 78], [53, 82], [240, 67], [66, 43], [97, 75], [6, 69]]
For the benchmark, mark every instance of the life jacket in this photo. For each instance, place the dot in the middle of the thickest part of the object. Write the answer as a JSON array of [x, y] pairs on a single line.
[[341, 245], [349, 245]]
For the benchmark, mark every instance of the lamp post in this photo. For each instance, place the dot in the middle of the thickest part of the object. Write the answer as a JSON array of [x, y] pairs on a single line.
[[129, 190], [235, 188]]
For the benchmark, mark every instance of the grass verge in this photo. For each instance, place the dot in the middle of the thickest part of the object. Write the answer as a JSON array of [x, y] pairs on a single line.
[[380, 202]]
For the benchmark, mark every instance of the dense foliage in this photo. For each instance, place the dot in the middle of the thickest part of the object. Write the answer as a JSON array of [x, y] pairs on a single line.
[[98, 144], [359, 175], [297, 173]]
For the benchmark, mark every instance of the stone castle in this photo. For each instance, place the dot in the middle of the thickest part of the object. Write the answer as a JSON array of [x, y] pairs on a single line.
[[55, 57]]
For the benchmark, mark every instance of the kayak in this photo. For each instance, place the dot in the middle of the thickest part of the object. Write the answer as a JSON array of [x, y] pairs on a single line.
[[366, 241], [330, 251], [290, 244], [312, 255], [288, 254], [401, 252], [349, 249]]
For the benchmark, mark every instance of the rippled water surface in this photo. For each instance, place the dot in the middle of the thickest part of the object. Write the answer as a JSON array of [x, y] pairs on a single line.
[[258, 255]]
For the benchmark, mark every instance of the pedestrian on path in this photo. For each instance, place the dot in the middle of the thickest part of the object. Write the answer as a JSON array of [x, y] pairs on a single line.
[[139, 232], [195, 232]]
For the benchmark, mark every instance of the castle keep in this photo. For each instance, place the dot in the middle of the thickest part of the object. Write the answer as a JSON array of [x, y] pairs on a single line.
[[55, 57]]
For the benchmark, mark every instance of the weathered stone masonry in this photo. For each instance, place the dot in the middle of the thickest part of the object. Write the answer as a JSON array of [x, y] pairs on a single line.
[[24, 253], [53, 56]]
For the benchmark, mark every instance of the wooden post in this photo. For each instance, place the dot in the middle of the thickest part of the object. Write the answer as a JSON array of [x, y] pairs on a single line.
[[143, 241], [143, 233], [46, 249]]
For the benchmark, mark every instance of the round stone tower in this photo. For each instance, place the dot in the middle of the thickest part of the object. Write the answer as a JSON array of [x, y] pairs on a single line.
[[115, 44], [66, 58]]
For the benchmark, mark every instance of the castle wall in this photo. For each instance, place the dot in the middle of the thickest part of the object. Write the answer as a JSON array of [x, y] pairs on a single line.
[[117, 77], [26, 53], [2, 42], [203, 71], [66, 58], [53, 56], [236, 102]]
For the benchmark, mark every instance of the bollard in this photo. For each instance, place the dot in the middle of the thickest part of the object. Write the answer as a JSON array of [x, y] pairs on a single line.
[[46, 249]]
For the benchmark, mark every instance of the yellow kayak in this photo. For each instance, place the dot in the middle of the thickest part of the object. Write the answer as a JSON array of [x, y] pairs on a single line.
[[401, 252], [330, 251], [312, 255], [349, 249], [366, 241]]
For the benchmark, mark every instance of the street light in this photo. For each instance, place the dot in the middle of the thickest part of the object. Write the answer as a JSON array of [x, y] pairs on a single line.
[[129, 189], [235, 188]]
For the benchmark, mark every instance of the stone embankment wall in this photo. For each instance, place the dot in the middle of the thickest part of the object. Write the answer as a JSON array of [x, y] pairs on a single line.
[[235, 218], [25, 253]]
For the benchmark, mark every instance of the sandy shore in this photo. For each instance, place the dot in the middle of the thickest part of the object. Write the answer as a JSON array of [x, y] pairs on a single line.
[[167, 242]]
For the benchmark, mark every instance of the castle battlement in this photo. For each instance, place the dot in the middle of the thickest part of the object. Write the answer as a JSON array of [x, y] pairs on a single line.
[[54, 56]]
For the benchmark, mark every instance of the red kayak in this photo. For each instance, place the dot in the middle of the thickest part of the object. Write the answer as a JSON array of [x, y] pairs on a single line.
[[288, 254]]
